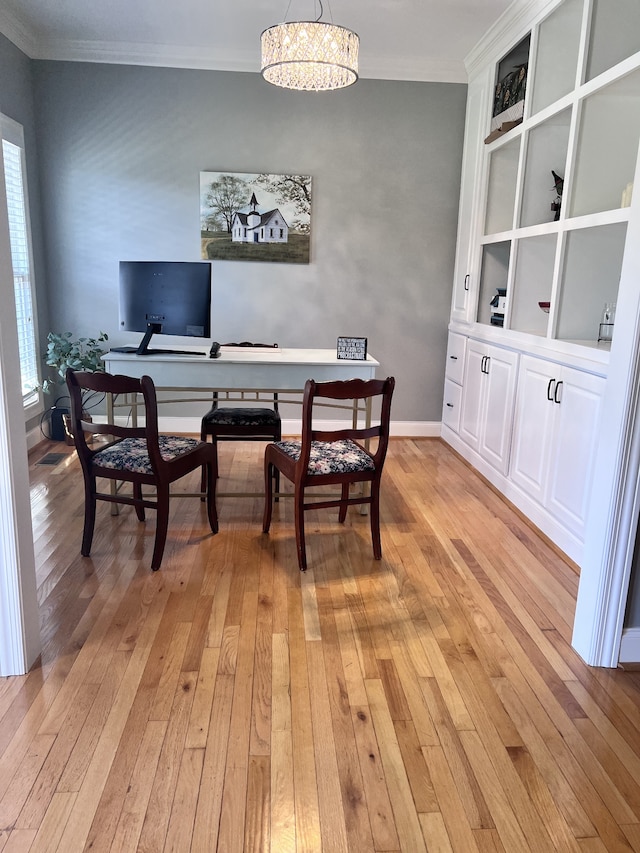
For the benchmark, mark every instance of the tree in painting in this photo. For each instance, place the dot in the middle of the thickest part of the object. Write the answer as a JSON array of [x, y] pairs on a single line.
[[294, 190], [224, 197]]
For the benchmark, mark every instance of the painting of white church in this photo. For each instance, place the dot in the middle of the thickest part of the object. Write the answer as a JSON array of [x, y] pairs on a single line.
[[250, 216], [256, 227]]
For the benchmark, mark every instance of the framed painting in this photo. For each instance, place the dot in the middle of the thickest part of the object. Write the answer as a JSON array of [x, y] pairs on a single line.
[[255, 217]]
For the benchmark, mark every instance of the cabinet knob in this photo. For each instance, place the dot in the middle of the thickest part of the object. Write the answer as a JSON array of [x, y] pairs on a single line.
[[557, 398], [450, 405], [466, 281], [453, 357]]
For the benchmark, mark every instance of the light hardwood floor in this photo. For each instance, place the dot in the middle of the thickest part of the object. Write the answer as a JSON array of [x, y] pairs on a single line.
[[427, 702]]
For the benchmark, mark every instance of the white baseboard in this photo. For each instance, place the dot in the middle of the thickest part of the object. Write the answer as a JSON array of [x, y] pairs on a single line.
[[406, 429], [34, 437], [630, 646]]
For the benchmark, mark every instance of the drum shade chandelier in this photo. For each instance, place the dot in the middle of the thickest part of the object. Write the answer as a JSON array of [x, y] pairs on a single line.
[[311, 56]]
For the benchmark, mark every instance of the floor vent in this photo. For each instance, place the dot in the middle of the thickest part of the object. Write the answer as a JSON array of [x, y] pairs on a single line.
[[51, 458]]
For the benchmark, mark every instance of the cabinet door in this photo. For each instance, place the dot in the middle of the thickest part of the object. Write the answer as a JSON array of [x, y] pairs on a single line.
[[575, 440], [471, 412], [532, 435], [500, 390], [464, 285]]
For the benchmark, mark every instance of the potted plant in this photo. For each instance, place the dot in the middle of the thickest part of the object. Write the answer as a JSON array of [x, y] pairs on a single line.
[[63, 351]]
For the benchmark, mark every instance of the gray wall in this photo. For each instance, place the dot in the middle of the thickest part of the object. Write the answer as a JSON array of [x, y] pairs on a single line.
[[121, 149]]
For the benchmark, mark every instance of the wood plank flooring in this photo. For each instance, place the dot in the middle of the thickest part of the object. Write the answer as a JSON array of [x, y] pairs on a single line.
[[427, 702]]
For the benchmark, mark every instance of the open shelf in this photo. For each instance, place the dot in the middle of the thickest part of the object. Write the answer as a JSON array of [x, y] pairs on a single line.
[[607, 147], [615, 34], [557, 55], [533, 283], [590, 278], [494, 275], [546, 153], [503, 173]]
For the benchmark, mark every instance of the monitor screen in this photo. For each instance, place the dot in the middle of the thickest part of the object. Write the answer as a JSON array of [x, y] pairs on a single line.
[[165, 298]]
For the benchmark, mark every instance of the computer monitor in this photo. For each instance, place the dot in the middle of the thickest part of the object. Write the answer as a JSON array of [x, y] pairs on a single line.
[[164, 298]]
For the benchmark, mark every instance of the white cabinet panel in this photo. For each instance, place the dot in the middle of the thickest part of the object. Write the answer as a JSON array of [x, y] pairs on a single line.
[[576, 436], [555, 435], [464, 288], [487, 401], [454, 369], [472, 397], [451, 405], [500, 377], [533, 420]]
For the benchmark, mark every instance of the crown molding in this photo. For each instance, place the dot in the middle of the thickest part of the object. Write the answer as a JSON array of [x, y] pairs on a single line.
[[18, 33], [121, 53]]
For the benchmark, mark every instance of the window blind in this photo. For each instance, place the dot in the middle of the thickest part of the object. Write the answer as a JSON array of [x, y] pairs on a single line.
[[21, 261]]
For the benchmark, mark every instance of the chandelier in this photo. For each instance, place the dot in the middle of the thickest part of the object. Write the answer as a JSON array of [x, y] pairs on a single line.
[[312, 56]]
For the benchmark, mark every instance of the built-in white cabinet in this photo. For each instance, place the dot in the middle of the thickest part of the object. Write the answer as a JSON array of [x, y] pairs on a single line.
[[546, 213], [555, 436], [488, 396], [548, 182], [548, 242]]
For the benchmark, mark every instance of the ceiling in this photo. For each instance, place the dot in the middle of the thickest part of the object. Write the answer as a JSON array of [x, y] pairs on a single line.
[[399, 39]]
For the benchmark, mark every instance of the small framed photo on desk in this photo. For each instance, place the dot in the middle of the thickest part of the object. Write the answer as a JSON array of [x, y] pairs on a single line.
[[354, 349]]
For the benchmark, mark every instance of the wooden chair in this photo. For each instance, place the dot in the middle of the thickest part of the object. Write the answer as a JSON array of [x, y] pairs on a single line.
[[241, 423], [138, 455], [329, 458]]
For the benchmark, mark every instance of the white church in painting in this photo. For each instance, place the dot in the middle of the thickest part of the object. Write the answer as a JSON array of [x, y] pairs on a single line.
[[254, 227]]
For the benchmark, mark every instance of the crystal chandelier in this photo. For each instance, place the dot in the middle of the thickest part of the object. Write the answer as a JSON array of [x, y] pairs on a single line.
[[312, 56]]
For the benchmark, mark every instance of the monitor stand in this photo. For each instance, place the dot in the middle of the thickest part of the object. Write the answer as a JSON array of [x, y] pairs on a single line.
[[143, 348]]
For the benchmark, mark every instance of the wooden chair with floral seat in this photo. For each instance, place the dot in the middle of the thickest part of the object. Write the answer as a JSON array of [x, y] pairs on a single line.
[[137, 454], [333, 457]]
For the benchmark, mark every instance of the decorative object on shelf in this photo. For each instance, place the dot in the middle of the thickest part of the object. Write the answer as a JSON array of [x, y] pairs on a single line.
[[354, 349], [605, 330], [545, 306], [255, 217], [508, 102], [558, 185], [310, 56], [499, 304], [510, 90]]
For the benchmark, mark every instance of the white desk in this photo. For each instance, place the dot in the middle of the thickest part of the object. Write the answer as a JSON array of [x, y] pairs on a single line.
[[241, 368]]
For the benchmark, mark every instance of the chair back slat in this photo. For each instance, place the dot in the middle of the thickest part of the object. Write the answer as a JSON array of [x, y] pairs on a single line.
[[355, 434], [349, 389], [79, 382]]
